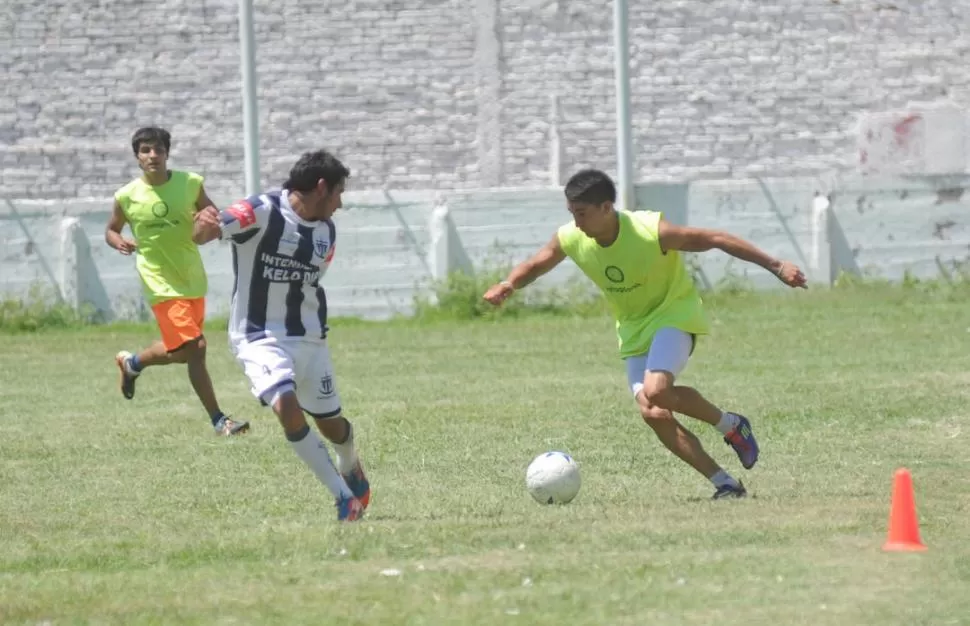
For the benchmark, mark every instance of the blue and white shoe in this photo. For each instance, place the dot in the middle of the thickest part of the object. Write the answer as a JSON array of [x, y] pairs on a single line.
[[743, 442], [730, 491]]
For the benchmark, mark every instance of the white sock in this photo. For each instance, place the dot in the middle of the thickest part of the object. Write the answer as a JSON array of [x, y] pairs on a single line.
[[314, 453], [723, 478], [346, 452], [729, 421]]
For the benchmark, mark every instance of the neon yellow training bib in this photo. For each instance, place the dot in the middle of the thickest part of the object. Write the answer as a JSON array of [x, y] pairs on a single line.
[[645, 289], [161, 220]]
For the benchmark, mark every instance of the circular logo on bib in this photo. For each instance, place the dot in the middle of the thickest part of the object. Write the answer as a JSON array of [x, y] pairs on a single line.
[[614, 274], [159, 209]]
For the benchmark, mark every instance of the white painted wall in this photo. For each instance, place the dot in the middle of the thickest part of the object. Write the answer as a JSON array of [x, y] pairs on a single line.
[[445, 94], [889, 226]]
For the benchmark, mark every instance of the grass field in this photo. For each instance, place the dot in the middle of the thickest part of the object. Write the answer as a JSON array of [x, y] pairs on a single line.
[[133, 512]]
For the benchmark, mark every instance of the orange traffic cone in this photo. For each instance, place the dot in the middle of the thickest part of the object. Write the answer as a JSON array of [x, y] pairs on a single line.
[[903, 527]]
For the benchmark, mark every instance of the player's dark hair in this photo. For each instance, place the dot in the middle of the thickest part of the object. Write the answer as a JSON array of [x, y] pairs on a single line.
[[313, 166], [151, 135], [591, 187]]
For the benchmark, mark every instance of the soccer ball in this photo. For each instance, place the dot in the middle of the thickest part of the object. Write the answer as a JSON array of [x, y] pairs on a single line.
[[553, 478]]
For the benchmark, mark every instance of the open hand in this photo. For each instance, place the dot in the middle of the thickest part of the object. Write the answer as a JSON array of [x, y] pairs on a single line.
[[790, 274], [499, 292]]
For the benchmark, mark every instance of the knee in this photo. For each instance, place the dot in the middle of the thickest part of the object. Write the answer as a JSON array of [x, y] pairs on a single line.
[[335, 428], [287, 409], [194, 351], [661, 396], [653, 415], [658, 389], [179, 356]]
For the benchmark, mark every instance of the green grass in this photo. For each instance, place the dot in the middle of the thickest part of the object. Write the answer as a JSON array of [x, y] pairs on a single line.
[[133, 512]]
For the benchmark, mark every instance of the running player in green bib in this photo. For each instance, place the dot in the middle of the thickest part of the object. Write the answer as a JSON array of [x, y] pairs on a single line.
[[633, 257], [160, 207]]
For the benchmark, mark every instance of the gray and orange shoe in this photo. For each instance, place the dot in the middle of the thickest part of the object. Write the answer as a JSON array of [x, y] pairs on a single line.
[[743, 442], [349, 510], [128, 375]]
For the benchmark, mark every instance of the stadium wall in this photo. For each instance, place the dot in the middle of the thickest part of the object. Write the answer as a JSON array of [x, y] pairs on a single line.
[[390, 246], [459, 95]]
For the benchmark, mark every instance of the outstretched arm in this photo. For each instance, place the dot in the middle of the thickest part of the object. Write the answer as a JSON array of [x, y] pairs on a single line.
[[688, 239], [543, 261]]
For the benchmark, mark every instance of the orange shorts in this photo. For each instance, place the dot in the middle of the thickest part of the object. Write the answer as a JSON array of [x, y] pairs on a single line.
[[180, 321]]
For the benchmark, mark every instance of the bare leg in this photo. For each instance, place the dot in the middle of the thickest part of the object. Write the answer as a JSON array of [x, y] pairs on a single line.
[[660, 391], [156, 354], [335, 429], [676, 438], [193, 353]]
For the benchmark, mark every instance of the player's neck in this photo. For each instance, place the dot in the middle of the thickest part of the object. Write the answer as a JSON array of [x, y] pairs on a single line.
[[607, 240], [296, 203], [157, 178]]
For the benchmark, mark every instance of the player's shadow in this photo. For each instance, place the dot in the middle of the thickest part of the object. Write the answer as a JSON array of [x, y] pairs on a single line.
[[696, 499]]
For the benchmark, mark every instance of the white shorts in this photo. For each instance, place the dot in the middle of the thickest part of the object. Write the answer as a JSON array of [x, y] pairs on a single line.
[[669, 352], [274, 367]]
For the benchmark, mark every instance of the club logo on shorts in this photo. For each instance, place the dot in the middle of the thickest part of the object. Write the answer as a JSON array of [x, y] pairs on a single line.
[[159, 209], [614, 274], [326, 386]]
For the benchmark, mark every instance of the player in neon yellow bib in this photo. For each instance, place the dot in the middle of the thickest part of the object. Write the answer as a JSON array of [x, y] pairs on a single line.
[[633, 257], [160, 207]]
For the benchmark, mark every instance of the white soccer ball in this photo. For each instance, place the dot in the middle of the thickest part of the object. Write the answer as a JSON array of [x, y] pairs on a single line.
[[553, 478]]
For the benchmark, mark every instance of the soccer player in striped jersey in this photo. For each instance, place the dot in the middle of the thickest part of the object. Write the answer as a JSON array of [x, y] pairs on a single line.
[[282, 244], [634, 258]]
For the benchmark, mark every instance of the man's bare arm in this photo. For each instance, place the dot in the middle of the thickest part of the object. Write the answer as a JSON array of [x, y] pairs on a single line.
[[542, 262], [112, 233], [689, 239]]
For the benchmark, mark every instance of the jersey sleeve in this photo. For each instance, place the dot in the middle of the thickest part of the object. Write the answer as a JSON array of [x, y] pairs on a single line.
[[244, 218]]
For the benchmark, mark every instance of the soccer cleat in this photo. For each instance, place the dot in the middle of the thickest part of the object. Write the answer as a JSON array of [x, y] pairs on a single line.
[[123, 359], [228, 427], [730, 491], [359, 486], [349, 510], [743, 442]]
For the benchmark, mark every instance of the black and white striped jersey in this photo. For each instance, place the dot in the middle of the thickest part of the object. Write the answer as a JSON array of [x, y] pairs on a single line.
[[278, 260]]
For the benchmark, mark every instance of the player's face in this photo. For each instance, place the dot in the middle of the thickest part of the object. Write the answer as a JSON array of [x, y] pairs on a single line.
[[592, 219], [152, 157], [329, 200]]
